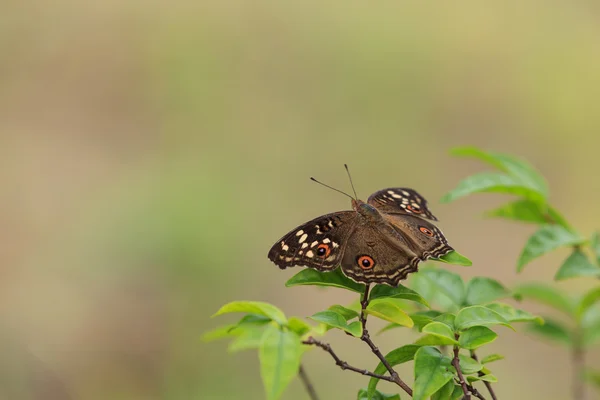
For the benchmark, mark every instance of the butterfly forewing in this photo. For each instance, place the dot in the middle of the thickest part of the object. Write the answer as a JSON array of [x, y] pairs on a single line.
[[316, 244], [401, 201]]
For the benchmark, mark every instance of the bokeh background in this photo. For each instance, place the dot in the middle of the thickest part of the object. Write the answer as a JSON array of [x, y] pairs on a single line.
[[151, 152]]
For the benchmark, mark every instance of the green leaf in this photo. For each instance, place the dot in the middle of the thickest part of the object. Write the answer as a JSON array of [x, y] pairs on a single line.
[[445, 392], [512, 314], [457, 394], [587, 301], [546, 239], [590, 325], [482, 290], [492, 182], [454, 257], [345, 312], [512, 165], [219, 333], [545, 295], [442, 330], [433, 340], [575, 266], [446, 318], [432, 372], [447, 283], [279, 355], [250, 338], [395, 357], [552, 330], [468, 365], [335, 320], [422, 318], [491, 358], [488, 378], [476, 337], [335, 278], [478, 316], [299, 326], [400, 292], [388, 310], [595, 245], [254, 307], [525, 210], [363, 395], [252, 320], [423, 285]]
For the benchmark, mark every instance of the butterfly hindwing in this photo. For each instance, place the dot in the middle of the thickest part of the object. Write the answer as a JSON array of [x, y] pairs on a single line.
[[317, 244], [388, 253], [401, 201]]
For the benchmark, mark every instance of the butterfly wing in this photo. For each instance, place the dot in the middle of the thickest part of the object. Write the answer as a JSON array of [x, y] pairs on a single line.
[[317, 244], [401, 201], [388, 253]]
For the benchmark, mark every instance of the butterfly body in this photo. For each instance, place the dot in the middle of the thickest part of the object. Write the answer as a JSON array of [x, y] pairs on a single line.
[[379, 241]]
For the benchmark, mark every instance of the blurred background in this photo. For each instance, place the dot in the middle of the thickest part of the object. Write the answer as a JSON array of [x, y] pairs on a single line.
[[151, 152]]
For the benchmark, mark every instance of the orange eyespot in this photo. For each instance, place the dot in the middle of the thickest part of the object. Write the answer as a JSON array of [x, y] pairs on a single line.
[[323, 250], [414, 209], [365, 262], [425, 231]]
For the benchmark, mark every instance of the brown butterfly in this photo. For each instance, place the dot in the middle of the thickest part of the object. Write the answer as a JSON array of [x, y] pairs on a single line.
[[380, 241]]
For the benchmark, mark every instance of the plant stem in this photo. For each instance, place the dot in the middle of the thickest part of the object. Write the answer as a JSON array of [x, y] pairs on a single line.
[[578, 367], [343, 364], [307, 384], [487, 384], [365, 337], [461, 378]]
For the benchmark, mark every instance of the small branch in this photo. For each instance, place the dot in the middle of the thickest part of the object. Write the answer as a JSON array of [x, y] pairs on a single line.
[[475, 392], [367, 339], [343, 364], [461, 378], [312, 393], [488, 385]]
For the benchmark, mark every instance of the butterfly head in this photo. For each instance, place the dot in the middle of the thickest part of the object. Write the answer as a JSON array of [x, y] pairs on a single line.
[[366, 210]]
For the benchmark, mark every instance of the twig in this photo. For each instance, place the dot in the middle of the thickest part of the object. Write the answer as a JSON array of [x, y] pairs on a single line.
[[312, 393], [461, 378], [365, 337], [343, 364], [475, 392], [487, 384]]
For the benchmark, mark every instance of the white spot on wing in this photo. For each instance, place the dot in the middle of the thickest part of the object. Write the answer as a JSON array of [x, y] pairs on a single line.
[[404, 192], [326, 240], [303, 238], [309, 254], [285, 248], [300, 232], [304, 245], [313, 244]]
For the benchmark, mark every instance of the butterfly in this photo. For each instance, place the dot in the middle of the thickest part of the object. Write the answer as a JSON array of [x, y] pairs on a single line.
[[378, 241]]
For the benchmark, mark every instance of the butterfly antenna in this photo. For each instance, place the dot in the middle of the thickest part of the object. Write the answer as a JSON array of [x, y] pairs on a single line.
[[332, 188], [351, 184]]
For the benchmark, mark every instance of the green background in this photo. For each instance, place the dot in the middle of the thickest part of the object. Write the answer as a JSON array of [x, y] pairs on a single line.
[[151, 152]]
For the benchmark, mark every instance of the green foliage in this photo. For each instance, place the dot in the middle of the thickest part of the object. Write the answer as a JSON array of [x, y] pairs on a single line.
[[575, 266], [546, 239], [389, 310], [363, 395], [254, 307], [446, 310], [432, 371], [334, 320], [395, 357], [279, 355]]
